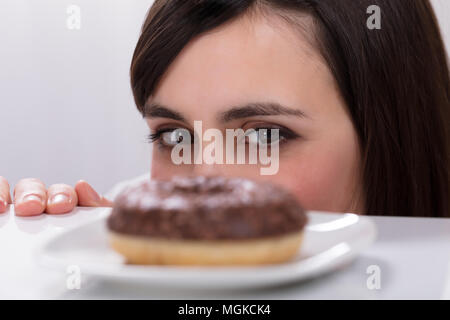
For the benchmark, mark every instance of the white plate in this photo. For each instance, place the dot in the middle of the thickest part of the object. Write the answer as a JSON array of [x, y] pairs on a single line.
[[331, 240]]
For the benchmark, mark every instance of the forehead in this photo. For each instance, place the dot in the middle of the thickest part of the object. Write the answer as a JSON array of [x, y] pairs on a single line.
[[249, 59]]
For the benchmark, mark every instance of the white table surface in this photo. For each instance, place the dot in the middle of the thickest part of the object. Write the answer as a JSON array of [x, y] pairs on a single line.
[[413, 255]]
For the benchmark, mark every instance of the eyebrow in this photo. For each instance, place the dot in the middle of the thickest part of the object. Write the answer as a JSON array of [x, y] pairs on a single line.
[[260, 109], [155, 110]]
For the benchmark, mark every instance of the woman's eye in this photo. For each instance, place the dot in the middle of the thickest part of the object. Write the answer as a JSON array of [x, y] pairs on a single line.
[[264, 136], [171, 137], [177, 136]]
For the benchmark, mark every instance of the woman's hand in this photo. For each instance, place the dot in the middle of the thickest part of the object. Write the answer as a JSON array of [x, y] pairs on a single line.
[[31, 197], [5, 197]]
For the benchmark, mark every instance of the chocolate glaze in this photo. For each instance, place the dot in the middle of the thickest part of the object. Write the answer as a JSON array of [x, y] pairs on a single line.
[[206, 208]]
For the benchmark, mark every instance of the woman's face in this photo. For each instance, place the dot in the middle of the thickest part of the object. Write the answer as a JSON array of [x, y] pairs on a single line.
[[261, 60]]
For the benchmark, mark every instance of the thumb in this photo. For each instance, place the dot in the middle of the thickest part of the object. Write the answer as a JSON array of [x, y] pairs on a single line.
[[88, 197]]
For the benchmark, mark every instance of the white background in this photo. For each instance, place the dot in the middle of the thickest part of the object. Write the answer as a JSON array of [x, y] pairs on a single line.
[[66, 108]]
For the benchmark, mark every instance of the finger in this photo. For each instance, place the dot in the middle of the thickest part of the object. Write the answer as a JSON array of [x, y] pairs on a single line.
[[61, 198], [88, 197], [5, 197], [30, 197]]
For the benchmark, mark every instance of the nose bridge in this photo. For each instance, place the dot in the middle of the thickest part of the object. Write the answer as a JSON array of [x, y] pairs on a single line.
[[200, 166], [208, 150]]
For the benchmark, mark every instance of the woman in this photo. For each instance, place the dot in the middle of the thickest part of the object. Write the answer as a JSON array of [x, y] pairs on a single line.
[[362, 113]]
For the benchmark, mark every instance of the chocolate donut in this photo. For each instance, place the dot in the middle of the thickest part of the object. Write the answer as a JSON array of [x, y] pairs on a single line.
[[179, 221]]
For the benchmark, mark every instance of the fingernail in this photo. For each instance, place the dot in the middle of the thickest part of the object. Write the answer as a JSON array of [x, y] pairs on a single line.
[[31, 197], [59, 198]]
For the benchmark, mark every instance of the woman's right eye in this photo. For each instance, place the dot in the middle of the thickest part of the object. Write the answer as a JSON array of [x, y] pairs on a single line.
[[171, 137]]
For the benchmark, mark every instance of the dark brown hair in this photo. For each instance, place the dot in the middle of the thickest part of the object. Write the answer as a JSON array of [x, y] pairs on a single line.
[[394, 80]]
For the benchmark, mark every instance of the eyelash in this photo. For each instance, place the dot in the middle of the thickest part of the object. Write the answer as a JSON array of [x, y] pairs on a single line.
[[156, 137], [153, 137], [285, 134]]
